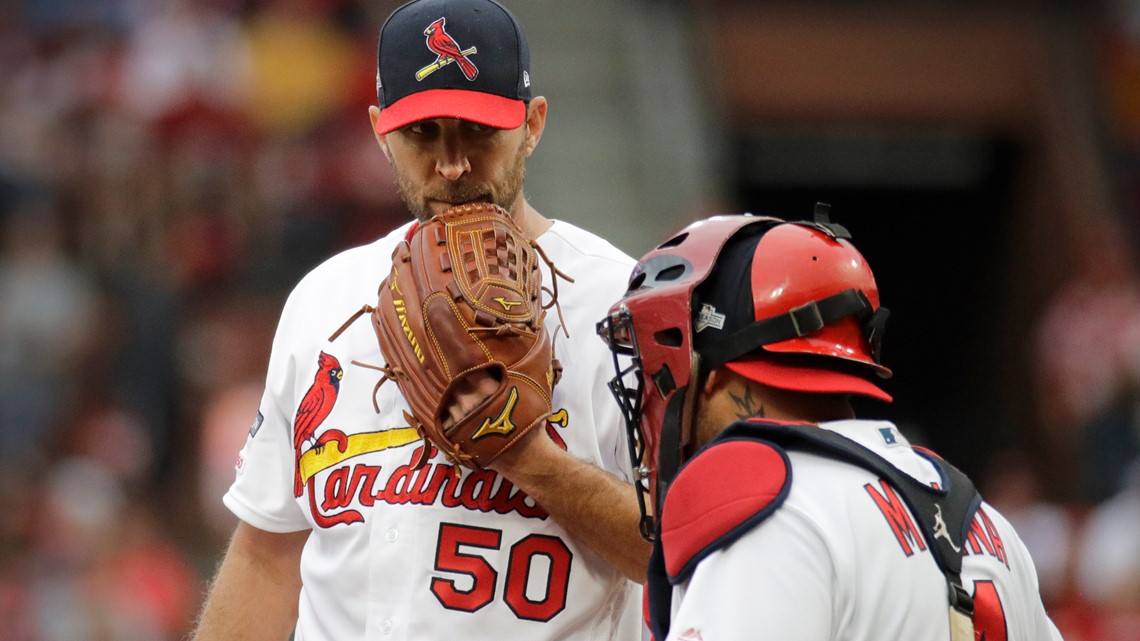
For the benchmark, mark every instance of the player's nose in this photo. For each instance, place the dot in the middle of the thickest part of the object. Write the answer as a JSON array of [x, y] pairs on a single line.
[[453, 166], [452, 162]]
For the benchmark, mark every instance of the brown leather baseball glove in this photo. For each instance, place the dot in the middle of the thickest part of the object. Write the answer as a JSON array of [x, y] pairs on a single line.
[[460, 322]]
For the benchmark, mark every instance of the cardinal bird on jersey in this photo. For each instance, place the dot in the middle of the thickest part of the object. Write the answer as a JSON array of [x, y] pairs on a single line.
[[445, 47], [315, 408]]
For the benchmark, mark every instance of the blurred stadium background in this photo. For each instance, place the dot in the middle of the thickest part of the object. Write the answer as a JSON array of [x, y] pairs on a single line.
[[169, 168]]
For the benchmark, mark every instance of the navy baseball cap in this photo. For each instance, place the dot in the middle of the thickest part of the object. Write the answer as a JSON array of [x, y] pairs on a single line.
[[465, 59]]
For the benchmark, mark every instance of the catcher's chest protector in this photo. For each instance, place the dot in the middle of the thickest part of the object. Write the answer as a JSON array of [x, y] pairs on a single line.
[[757, 450]]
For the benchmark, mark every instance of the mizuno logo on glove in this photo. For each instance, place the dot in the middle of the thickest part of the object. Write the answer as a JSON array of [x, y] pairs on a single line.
[[502, 425]]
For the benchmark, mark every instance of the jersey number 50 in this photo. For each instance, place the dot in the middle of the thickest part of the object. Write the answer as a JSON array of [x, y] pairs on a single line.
[[484, 578]]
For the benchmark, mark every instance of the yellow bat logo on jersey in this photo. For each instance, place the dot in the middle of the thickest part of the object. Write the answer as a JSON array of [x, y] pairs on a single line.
[[502, 425], [507, 305], [319, 459]]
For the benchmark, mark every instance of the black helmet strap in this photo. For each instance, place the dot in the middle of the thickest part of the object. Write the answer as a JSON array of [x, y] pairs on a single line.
[[800, 321]]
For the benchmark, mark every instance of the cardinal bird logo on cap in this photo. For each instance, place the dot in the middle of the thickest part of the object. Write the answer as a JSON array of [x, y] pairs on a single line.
[[447, 52]]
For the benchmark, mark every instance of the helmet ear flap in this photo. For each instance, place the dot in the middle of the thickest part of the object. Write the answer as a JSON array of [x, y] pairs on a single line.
[[677, 429]]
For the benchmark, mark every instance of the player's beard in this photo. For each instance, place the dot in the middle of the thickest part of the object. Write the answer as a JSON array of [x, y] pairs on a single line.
[[503, 194]]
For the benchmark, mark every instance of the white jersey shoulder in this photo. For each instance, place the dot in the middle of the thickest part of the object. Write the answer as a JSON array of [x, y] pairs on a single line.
[[402, 553], [600, 270], [844, 558]]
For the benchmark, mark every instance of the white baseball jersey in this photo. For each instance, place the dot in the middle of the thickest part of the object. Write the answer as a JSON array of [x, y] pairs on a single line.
[[427, 554], [843, 558]]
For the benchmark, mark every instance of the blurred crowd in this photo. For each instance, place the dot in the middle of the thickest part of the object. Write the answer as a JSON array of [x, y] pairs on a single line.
[[169, 168]]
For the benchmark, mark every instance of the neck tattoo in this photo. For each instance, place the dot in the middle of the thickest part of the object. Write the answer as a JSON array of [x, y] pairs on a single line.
[[747, 407]]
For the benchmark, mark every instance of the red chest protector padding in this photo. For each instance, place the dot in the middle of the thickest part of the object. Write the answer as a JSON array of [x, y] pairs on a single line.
[[718, 496], [744, 475]]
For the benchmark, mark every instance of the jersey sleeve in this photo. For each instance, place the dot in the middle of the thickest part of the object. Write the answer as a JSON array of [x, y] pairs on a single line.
[[778, 576], [261, 493], [600, 272], [608, 416], [1028, 613], [611, 424], [1041, 625]]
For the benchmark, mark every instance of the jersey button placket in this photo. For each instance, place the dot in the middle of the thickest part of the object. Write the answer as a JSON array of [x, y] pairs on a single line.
[[384, 603]]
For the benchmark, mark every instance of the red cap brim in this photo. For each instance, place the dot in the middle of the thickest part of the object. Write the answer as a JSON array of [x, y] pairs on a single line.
[[475, 106], [801, 377]]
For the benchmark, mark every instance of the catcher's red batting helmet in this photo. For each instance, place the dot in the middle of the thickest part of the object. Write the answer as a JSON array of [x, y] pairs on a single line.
[[791, 305]]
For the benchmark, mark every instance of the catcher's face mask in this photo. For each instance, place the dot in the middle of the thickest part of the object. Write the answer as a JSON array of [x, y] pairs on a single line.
[[652, 325], [789, 305]]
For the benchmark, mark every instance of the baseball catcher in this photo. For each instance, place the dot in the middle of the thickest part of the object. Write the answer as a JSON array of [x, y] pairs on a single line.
[[460, 322], [772, 506]]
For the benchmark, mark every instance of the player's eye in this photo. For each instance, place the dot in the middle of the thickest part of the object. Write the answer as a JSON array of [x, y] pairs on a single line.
[[617, 331], [476, 129], [623, 337], [423, 128]]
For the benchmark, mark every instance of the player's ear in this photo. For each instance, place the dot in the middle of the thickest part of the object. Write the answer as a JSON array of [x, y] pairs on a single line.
[[712, 380], [535, 122], [381, 139], [706, 422]]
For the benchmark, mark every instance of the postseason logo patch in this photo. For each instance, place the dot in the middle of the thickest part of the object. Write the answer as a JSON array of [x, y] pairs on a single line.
[[708, 317]]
